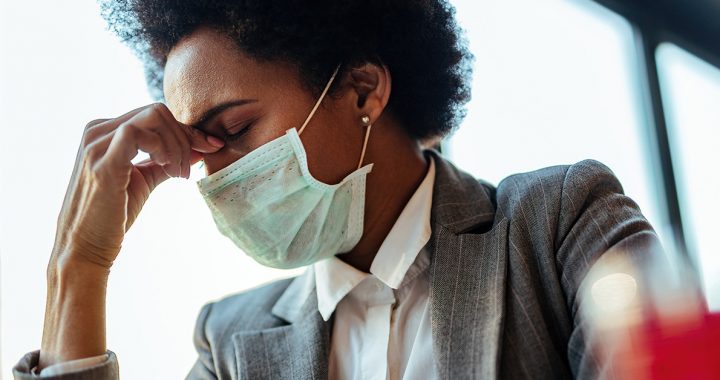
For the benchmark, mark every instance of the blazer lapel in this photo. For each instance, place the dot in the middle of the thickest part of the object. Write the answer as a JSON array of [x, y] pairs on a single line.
[[467, 270], [298, 350]]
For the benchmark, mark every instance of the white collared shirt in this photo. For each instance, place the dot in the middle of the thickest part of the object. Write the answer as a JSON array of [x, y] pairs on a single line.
[[382, 319]]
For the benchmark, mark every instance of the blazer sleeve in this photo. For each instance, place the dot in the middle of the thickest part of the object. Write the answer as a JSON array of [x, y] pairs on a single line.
[[107, 370], [597, 219], [204, 367]]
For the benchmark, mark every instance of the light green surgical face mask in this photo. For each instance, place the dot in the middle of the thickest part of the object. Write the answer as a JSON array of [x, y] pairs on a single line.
[[272, 208]]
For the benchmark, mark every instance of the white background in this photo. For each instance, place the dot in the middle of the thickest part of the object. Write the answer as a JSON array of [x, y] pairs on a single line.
[[554, 84]]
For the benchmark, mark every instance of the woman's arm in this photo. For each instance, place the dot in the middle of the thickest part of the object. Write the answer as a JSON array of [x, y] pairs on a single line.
[[105, 196], [74, 312], [598, 224]]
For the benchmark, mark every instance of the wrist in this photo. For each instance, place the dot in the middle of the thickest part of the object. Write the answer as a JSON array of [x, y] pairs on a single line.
[[72, 279], [69, 264], [75, 310]]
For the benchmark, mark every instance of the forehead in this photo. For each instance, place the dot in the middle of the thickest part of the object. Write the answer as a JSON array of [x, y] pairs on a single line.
[[206, 68]]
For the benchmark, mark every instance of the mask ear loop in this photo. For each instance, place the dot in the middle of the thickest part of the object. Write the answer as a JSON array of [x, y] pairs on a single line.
[[317, 104]]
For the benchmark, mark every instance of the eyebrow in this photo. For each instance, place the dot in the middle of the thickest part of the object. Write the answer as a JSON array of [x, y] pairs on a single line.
[[214, 111]]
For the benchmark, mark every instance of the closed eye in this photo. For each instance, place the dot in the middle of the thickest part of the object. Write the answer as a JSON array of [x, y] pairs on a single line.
[[241, 130]]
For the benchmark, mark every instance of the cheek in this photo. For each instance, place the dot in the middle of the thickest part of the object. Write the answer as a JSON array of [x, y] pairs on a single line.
[[333, 148]]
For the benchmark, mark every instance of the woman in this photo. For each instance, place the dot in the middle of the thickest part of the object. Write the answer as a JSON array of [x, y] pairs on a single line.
[[311, 118]]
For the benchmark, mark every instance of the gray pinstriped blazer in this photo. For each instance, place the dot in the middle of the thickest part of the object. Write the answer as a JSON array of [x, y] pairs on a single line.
[[506, 265]]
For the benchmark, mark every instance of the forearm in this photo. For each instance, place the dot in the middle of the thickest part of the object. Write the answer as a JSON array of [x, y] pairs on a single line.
[[75, 312]]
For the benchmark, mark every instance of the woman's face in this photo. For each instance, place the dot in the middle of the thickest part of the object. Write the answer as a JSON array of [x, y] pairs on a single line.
[[211, 85]]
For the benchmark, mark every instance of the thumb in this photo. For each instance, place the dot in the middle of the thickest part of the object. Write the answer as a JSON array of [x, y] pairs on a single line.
[[153, 173]]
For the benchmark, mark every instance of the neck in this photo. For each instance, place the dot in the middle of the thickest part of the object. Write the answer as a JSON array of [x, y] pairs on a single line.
[[399, 167]]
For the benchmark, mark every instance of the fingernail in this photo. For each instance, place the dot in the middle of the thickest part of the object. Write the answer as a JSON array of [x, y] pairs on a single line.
[[216, 142]]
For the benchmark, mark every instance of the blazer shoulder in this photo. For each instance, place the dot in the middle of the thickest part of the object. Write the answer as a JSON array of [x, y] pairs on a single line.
[[545, 195], [246, 310], [547, 184]]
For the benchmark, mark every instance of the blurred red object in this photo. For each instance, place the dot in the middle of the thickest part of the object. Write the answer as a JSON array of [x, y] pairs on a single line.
[[683, 347]]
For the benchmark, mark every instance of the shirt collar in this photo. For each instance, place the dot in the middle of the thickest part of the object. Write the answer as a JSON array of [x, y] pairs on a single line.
[[334, 278]]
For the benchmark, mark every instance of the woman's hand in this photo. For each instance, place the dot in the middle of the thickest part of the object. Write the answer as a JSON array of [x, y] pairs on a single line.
[[107, 192], [105, 196]]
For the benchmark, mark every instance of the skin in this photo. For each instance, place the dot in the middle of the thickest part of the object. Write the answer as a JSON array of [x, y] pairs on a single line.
[[204, 71]]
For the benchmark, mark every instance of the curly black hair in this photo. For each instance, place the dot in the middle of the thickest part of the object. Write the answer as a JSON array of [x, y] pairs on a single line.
[[419, 40]]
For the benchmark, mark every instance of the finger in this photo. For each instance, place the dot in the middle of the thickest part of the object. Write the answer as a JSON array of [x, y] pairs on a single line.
[[160, 158], [200, 141], [98, 128], [195, 157], [171, 142], [181, 138], [169, 153], [155, 174], [96, 150], [158, 118], [152, 172], [184, 149], [125, 143]]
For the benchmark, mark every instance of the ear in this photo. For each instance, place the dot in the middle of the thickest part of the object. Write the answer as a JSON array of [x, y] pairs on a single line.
[[370, 86]]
